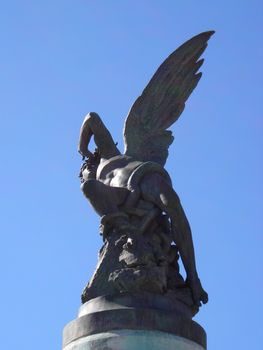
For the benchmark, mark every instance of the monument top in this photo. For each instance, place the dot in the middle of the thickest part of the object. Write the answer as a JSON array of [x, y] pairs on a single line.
[[143, 224]]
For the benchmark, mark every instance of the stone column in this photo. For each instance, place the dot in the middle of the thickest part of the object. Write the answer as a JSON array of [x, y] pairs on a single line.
[[131, 322]]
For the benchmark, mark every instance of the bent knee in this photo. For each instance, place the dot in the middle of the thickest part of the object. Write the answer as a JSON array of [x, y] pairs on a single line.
[[89, 187]]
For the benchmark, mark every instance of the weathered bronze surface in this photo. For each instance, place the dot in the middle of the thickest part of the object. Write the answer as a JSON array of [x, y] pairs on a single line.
[[144, 227]]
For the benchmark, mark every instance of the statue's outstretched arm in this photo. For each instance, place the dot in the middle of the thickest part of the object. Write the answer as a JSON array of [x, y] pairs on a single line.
[[93, 126], [158, 191]]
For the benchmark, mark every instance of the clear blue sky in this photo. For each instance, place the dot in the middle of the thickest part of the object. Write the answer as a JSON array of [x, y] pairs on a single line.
[[62, 59]]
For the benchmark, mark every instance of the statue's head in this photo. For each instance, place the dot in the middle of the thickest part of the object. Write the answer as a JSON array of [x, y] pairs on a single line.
[[90, 165]]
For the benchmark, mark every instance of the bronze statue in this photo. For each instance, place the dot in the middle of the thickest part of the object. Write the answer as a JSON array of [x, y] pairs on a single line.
[[143, 224]]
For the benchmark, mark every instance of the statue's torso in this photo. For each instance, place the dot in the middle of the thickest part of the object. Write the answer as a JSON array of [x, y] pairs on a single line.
[[116, 171]]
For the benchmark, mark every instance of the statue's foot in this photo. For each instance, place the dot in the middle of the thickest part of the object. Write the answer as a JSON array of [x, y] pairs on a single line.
[[198, 293]]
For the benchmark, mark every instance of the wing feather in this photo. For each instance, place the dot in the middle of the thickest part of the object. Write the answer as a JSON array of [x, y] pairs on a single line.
[[162, 102]]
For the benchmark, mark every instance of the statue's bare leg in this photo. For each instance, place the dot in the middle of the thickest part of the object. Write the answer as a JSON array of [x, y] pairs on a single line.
[[104, 199], [156, 189]]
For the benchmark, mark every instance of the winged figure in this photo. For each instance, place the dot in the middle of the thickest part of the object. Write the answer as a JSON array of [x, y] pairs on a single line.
[[114, 183]]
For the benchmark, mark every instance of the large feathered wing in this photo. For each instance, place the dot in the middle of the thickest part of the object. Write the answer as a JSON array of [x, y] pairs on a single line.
[[163, 100]]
